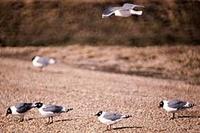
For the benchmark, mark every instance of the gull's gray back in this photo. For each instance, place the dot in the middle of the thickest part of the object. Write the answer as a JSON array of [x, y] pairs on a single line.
[[112, 116], [23, 107], [43, 60], [177, 104], [53, 108]]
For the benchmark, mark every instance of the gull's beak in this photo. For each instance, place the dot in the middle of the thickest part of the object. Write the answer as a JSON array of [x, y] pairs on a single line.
[[34, 105], [6, 115], [96, 114]]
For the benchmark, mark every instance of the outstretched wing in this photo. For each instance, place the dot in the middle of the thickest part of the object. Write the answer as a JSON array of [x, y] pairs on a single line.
[[53, 108], [177, 104], [23, 107], [129, 6], [112, 116], [110, 10]]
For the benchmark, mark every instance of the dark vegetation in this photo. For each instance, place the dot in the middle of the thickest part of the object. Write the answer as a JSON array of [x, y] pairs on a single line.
[[60, 22]]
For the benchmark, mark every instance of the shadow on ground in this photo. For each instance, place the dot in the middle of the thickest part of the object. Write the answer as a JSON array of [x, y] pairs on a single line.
[[126, 127]]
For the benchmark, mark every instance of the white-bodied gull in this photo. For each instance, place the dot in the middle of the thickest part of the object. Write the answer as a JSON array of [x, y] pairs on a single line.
[[19, 109], [110, 118], [125, 11], [39, 61], [51, 110], [175, 105]]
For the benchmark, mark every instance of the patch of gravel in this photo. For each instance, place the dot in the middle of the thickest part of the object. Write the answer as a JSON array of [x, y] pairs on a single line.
[[88, 92]]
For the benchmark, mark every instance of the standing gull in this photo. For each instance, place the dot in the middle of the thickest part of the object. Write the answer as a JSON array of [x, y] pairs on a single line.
[[20, 109], [41, 62], [110, 118], [50, 110], [175, 105], [125, 11]]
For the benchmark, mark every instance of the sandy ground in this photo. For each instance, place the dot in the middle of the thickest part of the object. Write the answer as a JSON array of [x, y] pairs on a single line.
[[88, 92]]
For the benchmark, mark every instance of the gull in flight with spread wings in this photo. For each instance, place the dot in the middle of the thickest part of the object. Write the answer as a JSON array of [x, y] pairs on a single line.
[[124, 11]]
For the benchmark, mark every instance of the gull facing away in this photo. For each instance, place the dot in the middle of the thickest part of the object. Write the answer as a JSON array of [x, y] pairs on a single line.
[[175, 105], [110, 118], [41, 62], [125, 11], [19, 110], [50, 110]]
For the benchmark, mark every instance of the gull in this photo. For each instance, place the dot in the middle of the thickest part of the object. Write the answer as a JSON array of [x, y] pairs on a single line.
[[125, 11], [19, 110], [39, 61], [175, 105], [110, 118], [51, 110]]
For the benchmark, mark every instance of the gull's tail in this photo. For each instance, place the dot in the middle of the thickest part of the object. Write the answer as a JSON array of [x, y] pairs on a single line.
[[136, 12], [52, 61], [126, 116], [69, 109], [66, 110], [189, 105]]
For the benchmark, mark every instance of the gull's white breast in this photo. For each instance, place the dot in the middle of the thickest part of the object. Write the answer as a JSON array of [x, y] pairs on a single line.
[[122, 13], [14, 111]]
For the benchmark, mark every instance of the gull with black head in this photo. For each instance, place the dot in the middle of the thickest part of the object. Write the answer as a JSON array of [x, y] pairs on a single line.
[[174, 106], [41, 62], [50, 110], [110, 118], [19, 110]]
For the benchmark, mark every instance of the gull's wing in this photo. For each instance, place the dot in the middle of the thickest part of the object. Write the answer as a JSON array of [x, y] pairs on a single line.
[[53, 108], [43, 60], [129, 6], [110, 10], [176, 104], [23, 107], [112, 116]]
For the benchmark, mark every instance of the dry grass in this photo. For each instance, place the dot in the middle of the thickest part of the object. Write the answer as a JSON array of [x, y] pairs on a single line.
[[36, 22]]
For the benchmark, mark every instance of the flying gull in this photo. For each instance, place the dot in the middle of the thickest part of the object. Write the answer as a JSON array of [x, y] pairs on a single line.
[[125, 11]]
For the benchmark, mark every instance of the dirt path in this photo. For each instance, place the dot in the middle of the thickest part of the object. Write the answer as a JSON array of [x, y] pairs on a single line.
[[88, 92]]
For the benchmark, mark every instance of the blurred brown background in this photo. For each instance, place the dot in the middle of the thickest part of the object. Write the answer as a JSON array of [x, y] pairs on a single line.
[[61, 22]]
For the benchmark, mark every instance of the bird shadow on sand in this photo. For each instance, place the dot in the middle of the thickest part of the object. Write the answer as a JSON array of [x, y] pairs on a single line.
[[63, 120], [126, 127], [30, 119], [118, 128], [189, 116]]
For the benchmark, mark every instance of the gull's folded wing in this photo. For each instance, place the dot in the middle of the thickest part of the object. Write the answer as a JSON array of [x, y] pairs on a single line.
[[23, 107], [177, 104], [53, 108]]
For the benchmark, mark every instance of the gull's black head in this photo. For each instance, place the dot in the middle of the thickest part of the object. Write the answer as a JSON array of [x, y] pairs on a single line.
[[99, 113], [33, 58], [9, 111], [161, 104], [38, 104]]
